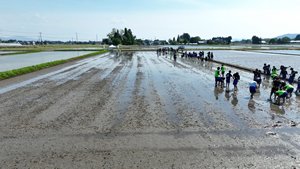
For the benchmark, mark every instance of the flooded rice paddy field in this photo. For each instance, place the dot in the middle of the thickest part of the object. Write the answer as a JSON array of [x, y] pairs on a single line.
[[140, 110], [290, 52], [252, 59], [10, 62], [5, 52]]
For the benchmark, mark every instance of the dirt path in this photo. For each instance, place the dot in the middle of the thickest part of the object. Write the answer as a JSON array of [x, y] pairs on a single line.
[[137, 110]]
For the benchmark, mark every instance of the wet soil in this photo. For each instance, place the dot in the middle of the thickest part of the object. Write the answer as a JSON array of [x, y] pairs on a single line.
[[138, 110]]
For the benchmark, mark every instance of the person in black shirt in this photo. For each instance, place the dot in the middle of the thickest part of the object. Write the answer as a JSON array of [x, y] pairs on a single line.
[[275, 86], [292, 76], [236, 78], [228, 77]]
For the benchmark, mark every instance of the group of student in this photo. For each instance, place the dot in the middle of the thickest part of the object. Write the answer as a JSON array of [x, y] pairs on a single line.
[[283, 83], [200, 56], [282, 87], [220, 77]]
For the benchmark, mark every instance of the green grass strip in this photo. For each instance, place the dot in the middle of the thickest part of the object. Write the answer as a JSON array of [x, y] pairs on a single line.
[[29, 69]]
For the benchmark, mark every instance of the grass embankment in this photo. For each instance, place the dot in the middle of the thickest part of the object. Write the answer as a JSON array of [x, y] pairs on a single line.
[[29, 69]]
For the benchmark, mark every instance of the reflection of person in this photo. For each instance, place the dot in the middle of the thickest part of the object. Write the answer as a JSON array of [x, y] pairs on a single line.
[[277, 109], [227, 96], [251, 105], [234, 100], [217, 92]]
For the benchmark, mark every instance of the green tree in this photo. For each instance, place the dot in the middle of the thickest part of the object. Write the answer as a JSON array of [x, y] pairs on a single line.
[[131, 37], [284, 40], [256, 40], [121, 36], [228, 39], [185, 38], [273, 41], [297, 37], [195, 39]]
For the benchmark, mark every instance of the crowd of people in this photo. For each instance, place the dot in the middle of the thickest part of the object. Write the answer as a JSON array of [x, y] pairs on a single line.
[[200, 56], [282, 85]]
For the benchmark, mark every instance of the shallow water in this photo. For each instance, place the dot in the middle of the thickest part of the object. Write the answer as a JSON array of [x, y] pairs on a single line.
[[293, 52], [138, 110], [22, 60], [4, 52], [268, 47], [255, 59]]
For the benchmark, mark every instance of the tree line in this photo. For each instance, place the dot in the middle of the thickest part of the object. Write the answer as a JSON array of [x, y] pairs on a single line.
[[284, 40]]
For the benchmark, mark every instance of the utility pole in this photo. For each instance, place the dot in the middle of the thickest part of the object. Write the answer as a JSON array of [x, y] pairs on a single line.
[[76, 37], [41, 38], [96, 38]]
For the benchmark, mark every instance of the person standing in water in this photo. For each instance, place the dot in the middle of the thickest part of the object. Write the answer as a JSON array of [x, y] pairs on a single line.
[[281, 94], [275, 86], [274, 72], [252, 88], [175, 56], [292, 76], [298, 87], [288, 88], [228, 77], [236, 78], [223, 70], [217, 74]]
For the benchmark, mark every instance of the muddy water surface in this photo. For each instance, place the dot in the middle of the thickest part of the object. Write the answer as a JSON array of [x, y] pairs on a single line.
[[140, 110]]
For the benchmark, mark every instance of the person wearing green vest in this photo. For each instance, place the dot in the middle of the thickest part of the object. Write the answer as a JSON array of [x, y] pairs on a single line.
[[289, 89], [217, 74], [274, 72], [223, 70], [281, 94]]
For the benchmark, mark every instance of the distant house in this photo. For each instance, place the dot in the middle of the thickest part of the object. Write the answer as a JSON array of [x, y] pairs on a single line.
[[295, 41], [10, 44], [202, 42]]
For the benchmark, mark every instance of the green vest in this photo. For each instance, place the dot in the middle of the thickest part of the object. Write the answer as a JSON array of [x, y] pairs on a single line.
[[223, 69], [288, 86], [217, 73], [280, 92], [274, 72]]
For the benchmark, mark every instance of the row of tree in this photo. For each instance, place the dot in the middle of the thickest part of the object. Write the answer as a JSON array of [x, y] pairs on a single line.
[[120, 36], [284, 40], [126, 37], [185, 38]]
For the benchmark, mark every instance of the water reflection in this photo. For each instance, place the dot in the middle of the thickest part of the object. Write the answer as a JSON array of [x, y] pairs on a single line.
[[227, 95], [277, 109], [217, 92], [234, 100], [251, 105]]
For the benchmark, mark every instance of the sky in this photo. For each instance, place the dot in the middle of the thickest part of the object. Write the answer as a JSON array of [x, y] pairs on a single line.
[[148, 19]]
